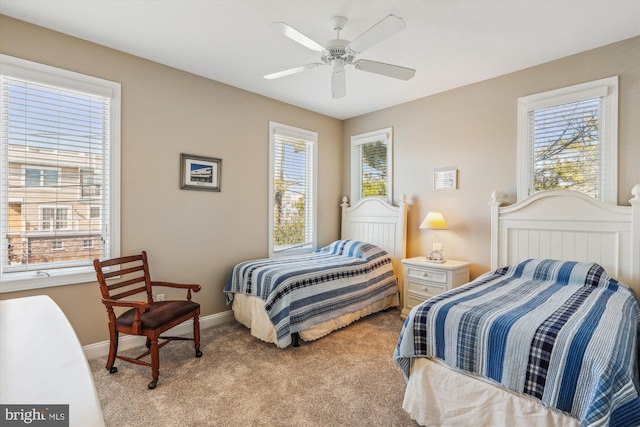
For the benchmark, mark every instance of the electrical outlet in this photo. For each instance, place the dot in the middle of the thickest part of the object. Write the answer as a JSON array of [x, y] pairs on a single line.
[[160, 297]]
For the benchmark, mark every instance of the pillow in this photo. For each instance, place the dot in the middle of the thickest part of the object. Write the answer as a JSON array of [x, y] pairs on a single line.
[[563, 272], [354, 249]]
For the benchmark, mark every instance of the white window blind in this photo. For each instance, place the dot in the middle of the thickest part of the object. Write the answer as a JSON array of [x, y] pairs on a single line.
[[566, 147], [371, 165], [567, 139], [56, 159], [292, 189]]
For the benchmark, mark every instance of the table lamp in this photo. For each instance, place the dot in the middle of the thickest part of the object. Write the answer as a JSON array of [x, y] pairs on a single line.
[[435, 221]]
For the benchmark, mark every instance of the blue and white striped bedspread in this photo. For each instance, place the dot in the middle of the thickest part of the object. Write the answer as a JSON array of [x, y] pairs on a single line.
[[304, 290], [562, 332]]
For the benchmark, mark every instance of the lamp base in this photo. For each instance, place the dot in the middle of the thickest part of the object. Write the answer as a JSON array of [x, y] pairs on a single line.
[[435, 261], [435, 255]]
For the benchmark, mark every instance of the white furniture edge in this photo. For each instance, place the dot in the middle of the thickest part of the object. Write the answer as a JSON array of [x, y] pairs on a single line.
[[42, 363], [599, 226]]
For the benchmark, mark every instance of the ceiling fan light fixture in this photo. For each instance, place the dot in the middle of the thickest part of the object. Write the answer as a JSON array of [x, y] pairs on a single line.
[[337, 65]]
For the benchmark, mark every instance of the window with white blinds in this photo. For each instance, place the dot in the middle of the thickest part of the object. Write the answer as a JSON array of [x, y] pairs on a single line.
[[59, 188], [371, 165], [568, 140], [292, 189]]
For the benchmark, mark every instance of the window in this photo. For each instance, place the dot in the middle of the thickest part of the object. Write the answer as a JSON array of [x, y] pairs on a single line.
[[292, 189], [40, 177], [55, 218], [89, 183], [567, 138], [94, 212], [371, 165], [59, 150]]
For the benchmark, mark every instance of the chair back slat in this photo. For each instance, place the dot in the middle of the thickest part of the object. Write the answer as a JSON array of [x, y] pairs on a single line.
[[121, 277], [121, 260], [127, 293], [124, 283], [123, 271]]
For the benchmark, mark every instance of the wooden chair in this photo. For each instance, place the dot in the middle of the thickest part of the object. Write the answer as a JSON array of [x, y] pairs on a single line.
[[128, 276]]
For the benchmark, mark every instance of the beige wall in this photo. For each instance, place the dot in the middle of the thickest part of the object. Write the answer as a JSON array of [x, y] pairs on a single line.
[[191, 236], [473, 128], [196, 236]]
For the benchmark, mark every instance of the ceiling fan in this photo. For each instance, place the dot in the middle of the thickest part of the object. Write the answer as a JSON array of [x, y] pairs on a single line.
[[340, 52]]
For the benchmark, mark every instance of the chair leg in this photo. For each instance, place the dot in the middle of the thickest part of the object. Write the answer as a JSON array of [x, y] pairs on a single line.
[[155, 362], [113, 349], [196, 335]]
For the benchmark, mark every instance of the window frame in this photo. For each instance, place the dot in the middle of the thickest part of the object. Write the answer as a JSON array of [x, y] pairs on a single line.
[[606, 88], [385, 134], [51, 275], [309, 136]]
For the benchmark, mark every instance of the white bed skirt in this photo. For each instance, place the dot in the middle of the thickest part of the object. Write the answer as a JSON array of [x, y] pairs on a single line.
[[249, 310], [436, 395]]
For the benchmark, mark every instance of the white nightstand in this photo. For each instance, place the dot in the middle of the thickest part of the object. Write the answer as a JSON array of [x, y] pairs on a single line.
[[424, 279]]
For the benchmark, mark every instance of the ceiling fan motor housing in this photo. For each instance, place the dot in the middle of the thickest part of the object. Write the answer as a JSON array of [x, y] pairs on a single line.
[[337, 49]]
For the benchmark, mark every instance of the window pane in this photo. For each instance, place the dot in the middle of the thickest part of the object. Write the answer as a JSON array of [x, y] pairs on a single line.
[[374, 168], [290, 193], [49, 178], [32, 177], [372, 165], [292, 199], [49, 125], [566, 147]]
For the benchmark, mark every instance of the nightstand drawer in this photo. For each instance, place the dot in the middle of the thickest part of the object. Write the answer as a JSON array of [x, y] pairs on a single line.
[[411, 301], [425, 290], [427, 274]]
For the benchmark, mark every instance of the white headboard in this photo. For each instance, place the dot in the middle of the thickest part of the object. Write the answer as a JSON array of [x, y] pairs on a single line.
[[568, 225], [374, 221]]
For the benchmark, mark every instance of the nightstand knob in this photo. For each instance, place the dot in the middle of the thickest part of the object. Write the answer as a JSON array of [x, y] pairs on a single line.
[[424, 288], [425, 274]]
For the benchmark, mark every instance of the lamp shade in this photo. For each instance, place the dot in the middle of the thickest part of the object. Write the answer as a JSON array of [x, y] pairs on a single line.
[[434, 221]]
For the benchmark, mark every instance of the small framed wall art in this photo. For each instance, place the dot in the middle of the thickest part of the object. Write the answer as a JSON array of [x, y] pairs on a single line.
[[445, 179], [200, 173]]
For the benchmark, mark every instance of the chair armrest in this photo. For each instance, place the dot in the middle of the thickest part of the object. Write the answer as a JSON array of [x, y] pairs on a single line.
[[188, 287], [140, 307]]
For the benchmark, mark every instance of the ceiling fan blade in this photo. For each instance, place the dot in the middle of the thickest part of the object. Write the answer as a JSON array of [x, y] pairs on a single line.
[[291, 71], [374, 35], [338, 84], [388, 70], [298, 37]]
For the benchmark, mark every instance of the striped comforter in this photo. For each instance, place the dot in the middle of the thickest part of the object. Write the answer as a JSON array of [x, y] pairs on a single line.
[[304, 290], [562, 332]]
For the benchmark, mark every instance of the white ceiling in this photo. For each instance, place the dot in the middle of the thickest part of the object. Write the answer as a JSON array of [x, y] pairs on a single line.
[[451, 43]]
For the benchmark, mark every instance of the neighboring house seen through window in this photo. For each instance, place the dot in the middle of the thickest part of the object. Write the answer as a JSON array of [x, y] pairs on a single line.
[[292, 190], [567, 139], [59, 180]]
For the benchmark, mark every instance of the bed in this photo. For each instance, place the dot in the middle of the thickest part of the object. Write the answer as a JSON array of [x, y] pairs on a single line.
[[308, 296], [549, 336]]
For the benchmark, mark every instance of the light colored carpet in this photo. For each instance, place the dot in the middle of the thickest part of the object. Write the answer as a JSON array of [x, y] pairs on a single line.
[[347, 378]]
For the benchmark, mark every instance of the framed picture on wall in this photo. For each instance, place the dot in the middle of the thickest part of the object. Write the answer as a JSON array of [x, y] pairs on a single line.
[[445, 179], [200, 173]]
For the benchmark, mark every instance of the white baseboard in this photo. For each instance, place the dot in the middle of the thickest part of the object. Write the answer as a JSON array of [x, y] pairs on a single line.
[[101, 349]]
